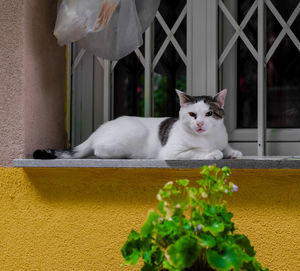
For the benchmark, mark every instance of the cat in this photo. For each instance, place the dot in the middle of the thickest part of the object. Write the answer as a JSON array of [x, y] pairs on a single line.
[[199, 133]]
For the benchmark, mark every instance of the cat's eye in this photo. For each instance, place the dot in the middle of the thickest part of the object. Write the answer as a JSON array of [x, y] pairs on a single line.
[[193, 115], [208, 114]]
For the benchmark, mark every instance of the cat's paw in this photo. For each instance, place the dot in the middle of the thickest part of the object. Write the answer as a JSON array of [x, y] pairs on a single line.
[[233, 154], [215, 155]]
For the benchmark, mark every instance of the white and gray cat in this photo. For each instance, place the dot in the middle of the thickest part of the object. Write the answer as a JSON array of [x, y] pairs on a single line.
[[199, 133]]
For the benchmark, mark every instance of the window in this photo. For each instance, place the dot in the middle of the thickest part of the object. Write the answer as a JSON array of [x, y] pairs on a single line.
[[259, 61], [250, 47]]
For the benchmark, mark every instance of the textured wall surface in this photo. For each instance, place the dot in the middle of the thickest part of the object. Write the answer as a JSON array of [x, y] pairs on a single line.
[[45, 74], [12, 123], [78, 219], [32, 79]]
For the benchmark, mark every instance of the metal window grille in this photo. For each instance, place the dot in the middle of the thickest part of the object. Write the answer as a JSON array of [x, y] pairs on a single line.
[[262, 56], [92, 83]]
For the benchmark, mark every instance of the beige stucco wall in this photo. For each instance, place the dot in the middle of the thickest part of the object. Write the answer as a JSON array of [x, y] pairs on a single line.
[[12, 130], [32, 79]]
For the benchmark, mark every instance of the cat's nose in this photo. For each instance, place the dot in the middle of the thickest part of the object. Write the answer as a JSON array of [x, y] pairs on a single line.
[[200, 123]]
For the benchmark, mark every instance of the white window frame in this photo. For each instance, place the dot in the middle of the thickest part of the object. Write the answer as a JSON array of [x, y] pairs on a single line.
[[204, 74]]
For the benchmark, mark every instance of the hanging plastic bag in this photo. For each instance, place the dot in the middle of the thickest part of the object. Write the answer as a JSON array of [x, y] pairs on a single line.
[[146, 10], [107, 28], [122, 35], [77, 18]]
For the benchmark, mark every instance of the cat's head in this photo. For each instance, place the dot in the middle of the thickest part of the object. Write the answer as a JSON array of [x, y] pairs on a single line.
[[201, 115]]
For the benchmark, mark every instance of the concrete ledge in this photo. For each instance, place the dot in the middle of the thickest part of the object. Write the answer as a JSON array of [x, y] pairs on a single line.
[[245, 162]]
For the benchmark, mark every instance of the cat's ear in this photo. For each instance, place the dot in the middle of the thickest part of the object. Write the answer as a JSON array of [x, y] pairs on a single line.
[[220, 98], [183, 98]]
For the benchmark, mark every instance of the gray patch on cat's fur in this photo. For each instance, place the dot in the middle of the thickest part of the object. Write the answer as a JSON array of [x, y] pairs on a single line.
[[218, 112], [164, 130], [196, 99]]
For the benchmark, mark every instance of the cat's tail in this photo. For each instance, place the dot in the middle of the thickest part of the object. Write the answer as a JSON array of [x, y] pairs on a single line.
[[80, 151]]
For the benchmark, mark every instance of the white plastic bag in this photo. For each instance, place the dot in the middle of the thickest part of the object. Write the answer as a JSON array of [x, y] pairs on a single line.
[[110, 29], [77, 18], [146, 10]]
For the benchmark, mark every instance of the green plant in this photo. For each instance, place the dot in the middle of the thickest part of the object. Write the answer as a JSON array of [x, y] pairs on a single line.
[[192, 229]]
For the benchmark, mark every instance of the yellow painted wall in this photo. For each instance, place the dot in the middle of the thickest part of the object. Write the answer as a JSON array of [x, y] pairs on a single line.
[[77, 219]]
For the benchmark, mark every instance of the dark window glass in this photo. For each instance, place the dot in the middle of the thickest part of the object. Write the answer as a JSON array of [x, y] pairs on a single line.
[[129, 87], [283, 70], [247, 71]]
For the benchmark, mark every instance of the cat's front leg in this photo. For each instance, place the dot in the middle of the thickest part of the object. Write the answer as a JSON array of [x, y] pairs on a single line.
[[214, 155], [231, 153], [195, 154]]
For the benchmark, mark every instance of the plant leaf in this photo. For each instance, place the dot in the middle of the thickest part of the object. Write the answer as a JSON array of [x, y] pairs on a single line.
[[254, 266], [206, 240], [244, 244], [227, 260], [168, 185], [148, 227], [169, 267], [216, 228], [184, 252], [153, 256], [130, 252], [161, 207], [133, 235], [183, 182], [148, 267]]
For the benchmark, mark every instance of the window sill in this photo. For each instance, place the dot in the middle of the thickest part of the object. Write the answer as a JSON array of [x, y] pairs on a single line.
[[246, 163]]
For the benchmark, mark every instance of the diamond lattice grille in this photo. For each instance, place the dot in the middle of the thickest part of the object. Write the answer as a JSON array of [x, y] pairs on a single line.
[[170, 37], [239, 30], [286, 28]]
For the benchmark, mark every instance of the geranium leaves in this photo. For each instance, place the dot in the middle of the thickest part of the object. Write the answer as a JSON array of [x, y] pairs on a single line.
[[184, 252], [134, 235], [228, 259], [148, 227], [192, 228], [183, 182], [230, 256], [131, 251], [206, 240], [215, 228], [244, 244]]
